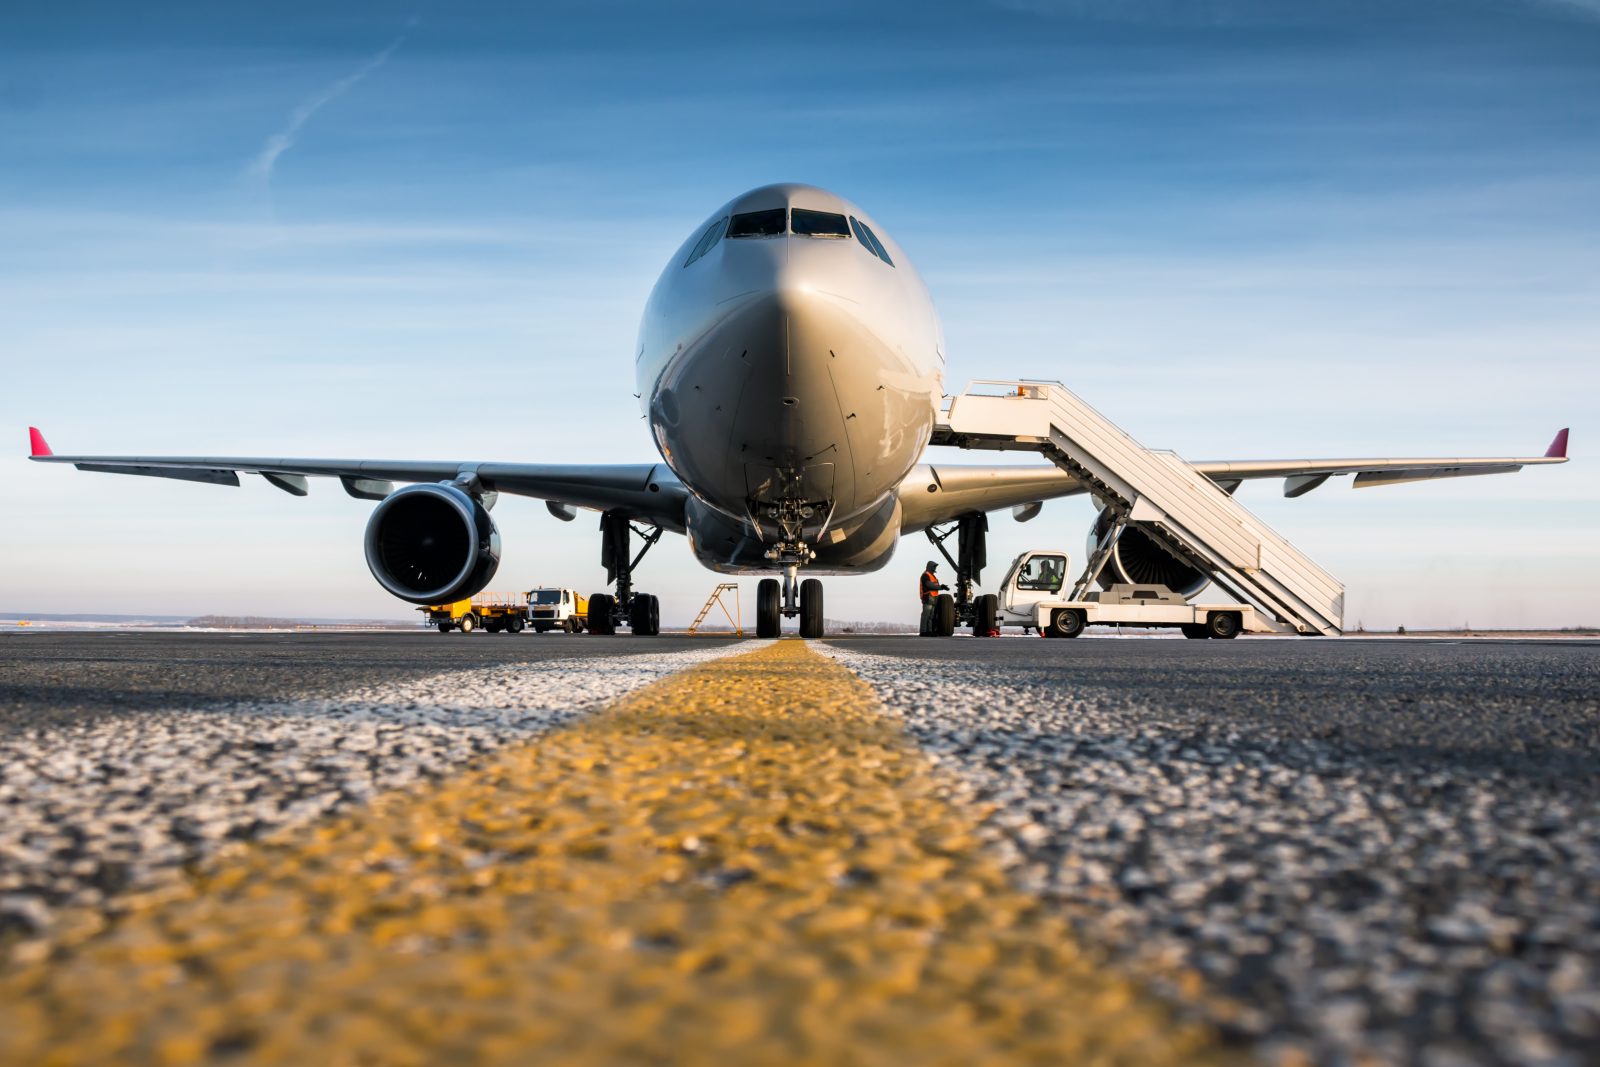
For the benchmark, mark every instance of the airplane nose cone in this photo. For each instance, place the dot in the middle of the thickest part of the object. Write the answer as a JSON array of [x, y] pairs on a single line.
[[786, 392], [753, 406]]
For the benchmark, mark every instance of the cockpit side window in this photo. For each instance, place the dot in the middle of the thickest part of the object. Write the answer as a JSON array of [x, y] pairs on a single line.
[[869, 240], [712, 235], [810, 223], [770, 223]]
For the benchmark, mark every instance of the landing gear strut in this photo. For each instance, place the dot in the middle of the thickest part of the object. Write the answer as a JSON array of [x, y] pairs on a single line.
[[972, 554], [640, 612]]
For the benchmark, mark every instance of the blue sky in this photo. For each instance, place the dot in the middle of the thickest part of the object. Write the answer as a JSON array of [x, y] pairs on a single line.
[[1240, 230]]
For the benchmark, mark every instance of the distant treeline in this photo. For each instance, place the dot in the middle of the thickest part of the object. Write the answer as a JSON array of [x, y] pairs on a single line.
[[839, 626], [263, 622]]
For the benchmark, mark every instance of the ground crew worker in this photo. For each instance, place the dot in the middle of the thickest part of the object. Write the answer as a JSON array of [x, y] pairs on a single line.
[[928, 588]]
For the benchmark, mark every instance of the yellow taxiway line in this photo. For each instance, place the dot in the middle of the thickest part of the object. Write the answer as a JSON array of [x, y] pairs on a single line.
[[745, 863]]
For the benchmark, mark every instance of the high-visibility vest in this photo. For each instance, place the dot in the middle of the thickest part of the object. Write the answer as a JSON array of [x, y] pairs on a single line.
[[927, 585]]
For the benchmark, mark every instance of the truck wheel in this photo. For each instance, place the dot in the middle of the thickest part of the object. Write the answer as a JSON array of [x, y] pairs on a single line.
[[811, 608], [769, 608], [601, 605], [984, 612], [1066, 622], [644, 615], [467, 624], [515, 624], [445, 627], [1223, 625], [944, 615]]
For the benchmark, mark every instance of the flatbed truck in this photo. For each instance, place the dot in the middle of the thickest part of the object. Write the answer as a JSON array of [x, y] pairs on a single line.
[[543, 609]]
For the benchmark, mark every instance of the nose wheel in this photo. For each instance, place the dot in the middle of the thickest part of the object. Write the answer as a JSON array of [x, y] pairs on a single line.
[[811, 608], [769, 608]]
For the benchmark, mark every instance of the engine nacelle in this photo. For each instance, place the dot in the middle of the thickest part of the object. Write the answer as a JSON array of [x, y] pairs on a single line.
[[432, 544], [1137, 560]]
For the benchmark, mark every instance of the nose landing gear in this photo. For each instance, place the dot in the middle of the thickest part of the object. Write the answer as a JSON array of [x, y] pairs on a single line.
[[792, 597]]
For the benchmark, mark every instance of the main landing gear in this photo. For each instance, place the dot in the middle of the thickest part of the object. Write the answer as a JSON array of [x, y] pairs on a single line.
[[972, 554], [640, 612], [792, 597]]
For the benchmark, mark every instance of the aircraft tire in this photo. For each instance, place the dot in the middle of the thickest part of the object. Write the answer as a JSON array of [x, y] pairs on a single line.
[[601, 606], [984, 612], [1195, 631], [811, 608], [769, 608], [445, 627], [1223, 625], [467, 623], [644, 615], [944, 615], [1066, 622]]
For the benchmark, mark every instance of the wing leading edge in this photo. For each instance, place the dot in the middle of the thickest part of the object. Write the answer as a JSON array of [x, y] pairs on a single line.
[[648, 492], [936, 493]]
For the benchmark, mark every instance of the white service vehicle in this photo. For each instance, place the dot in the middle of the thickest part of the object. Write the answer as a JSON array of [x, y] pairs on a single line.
[[1036, 594], [557, 609]]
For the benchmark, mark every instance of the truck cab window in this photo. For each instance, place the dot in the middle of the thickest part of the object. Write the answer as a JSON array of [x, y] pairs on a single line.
[[770, 223], [1043, 572]]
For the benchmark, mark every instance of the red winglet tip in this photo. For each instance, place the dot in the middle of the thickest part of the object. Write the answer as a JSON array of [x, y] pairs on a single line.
[[1558, 447], [37, 443]]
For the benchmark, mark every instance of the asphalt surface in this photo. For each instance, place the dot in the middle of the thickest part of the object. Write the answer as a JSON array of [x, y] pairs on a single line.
[[130, 757], [1369, 851], [51, 678]]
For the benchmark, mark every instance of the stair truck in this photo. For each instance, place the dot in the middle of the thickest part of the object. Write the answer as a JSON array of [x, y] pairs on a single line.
[[1035, 595]]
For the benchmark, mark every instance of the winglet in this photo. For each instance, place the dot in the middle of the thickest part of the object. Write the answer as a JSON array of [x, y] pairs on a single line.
[[1558, 447], [40, 447]]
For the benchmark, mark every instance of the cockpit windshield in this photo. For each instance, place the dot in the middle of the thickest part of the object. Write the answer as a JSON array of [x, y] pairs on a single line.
[[770, 223], [810, 223]]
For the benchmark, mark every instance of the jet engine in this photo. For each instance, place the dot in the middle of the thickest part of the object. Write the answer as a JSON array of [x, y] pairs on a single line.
[[432, 544], [1138, 560]]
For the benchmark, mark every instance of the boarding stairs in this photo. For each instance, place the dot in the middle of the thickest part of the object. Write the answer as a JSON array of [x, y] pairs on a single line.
[[735, 618], [1167, 499]]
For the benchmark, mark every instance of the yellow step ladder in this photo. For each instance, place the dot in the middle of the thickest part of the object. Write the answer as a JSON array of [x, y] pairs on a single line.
[[715, 600]]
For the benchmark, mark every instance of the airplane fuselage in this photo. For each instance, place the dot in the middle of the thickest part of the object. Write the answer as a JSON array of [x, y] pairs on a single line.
[[791, 380]]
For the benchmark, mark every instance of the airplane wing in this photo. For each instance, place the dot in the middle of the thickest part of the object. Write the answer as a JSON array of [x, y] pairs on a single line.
[[937, 493], [1303, 475], [648, 492]]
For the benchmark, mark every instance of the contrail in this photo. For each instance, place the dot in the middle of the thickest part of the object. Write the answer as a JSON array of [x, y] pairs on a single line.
[[283, 140]]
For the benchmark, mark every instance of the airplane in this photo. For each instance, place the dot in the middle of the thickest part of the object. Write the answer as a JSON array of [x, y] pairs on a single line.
[[790, 365]]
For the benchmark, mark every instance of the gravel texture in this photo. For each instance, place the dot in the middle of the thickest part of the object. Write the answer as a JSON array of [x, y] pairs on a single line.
[[94, 805], [1369, 851]]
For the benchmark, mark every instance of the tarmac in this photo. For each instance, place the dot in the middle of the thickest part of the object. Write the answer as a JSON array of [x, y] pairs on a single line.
[[507, 848]]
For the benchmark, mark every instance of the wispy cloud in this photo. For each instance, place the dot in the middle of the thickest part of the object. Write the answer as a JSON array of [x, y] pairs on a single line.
[[280, 142]]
